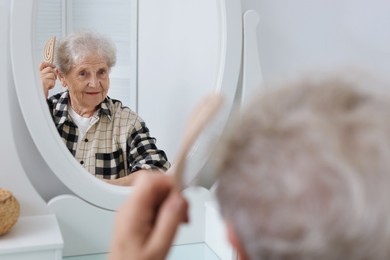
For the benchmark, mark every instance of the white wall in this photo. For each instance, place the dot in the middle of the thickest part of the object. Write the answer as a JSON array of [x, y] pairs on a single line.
[[304, 35]]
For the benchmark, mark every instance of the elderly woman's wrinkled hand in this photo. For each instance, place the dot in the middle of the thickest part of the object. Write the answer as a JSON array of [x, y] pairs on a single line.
[[48, 76], [130, 179]]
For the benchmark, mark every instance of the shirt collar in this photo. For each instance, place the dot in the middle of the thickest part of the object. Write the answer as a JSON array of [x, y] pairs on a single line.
[[61, 108]]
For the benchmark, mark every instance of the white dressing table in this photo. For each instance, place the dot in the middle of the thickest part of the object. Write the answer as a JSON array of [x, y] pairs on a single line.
[[33, 238], [52, 188]]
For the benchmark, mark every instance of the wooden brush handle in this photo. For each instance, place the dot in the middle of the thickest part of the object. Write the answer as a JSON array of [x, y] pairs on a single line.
[[200, 117], [48, 51]]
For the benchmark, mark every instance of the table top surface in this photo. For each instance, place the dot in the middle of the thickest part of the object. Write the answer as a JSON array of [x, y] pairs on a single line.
[[198, 251]]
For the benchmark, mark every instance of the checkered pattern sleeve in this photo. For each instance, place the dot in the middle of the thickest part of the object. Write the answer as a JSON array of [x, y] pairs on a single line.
[[143, 152]]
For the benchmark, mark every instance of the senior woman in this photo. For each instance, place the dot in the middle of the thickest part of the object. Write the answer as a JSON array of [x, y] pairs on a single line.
[[108, 139]]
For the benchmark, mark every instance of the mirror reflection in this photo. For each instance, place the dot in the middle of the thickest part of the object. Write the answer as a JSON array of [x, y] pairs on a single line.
[[167, 57], [110, 140]]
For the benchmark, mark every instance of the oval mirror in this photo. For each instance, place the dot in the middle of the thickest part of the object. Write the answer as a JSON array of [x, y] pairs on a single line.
[[148, 55]]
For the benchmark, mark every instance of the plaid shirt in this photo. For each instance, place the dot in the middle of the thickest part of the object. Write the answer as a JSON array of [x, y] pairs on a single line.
[[117, 144]]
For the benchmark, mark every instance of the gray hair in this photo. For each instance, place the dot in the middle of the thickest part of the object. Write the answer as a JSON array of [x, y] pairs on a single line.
[[304, 173], [76, 46]]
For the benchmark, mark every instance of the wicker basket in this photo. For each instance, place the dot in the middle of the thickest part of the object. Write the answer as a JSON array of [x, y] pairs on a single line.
[[9, 211]]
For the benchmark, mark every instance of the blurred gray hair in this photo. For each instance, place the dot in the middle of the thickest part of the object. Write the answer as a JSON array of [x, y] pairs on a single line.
[[77, 46], [304, 173]]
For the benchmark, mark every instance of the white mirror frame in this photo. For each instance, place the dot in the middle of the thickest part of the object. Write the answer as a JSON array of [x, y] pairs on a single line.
[[38, 119]]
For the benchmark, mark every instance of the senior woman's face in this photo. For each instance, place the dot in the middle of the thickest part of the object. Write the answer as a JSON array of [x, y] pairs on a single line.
[[88, 83]]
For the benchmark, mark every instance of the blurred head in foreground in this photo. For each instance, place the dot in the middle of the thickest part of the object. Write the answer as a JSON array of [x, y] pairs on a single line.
[[304, 172]]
